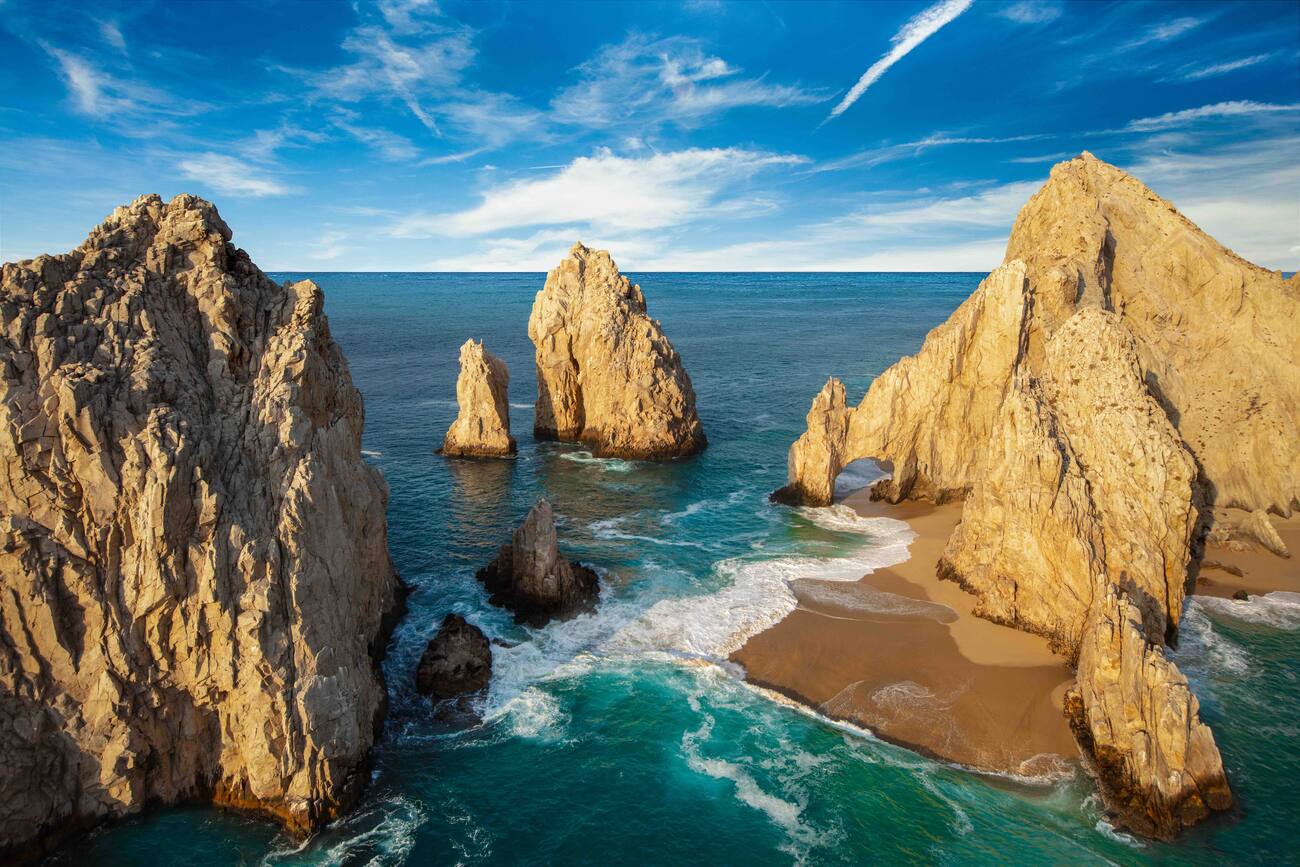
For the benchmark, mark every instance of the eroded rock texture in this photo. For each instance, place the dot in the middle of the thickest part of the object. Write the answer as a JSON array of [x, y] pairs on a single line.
[[1119, 386], [456, 665], [1140, 725], [533, 580], [606, 374], [194, 575], [482, 426]]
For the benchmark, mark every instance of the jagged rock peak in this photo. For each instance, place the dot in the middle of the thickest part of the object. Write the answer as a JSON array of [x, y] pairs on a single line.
[[482, 426], [532, 579], [607, 376], [194, 562]]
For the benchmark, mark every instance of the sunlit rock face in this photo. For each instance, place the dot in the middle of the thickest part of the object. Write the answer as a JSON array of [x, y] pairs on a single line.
[[482, 425], [194, 577], [607, 375], [1119, 390]]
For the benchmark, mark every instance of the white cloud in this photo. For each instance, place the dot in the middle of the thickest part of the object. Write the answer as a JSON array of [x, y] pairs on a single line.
[[93, 92], [231, 176], [112, 34], [889, 153], [1226, 67], [607, 193], [386, 68], [656, 80], [1031, 11], [912, 34], [115, 101], [1235, 108], [1165, 32]]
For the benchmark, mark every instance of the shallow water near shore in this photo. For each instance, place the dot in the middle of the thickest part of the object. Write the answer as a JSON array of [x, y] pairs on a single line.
[[621, 737]]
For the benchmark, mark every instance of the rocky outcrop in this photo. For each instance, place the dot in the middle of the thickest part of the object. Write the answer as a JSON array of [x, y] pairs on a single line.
[[533, 580], [456, 666], [1121, 384], [1216, 339], [606, 374], [194, 577], [1087, 485], [482, 427], [1139, 724]]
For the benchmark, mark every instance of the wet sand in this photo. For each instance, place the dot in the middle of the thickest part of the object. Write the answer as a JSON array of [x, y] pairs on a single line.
[[1259, 571], [900, 653]]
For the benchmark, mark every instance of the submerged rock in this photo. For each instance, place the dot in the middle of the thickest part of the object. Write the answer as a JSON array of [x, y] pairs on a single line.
[[482, 427], [194, 569], [456, 666], [531, 578], [1120, 383], [606, 374]]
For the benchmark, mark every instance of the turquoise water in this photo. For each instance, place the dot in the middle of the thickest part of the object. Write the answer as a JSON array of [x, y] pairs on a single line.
[[617, 738]]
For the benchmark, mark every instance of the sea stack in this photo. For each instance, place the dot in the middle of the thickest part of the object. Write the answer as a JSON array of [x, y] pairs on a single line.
[[533, 580], [1119, 388], [607, 376], [456, 667], [482, 427], [195, 572]]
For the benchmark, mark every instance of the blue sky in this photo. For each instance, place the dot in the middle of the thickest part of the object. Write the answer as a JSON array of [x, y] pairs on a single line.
[[407, 135]]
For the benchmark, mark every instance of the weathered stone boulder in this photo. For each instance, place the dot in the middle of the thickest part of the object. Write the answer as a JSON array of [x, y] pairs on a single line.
[[456, 666], [195, 586], [1139, 725], [606, 374], [482, 426], [533, 580]]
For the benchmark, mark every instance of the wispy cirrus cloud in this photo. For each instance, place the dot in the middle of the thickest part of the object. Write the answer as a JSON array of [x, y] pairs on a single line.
[[1030, 11], [1165, 31], [871, 157], [608, 193], [909, 36], [1234, 108], [231, 176], [644, 79], [1224, 68]]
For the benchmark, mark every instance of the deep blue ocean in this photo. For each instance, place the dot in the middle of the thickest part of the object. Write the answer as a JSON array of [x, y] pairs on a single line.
[[617, 737]]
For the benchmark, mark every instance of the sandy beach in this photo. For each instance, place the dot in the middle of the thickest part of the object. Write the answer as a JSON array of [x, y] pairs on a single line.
[[900, 653], [1224, 572]]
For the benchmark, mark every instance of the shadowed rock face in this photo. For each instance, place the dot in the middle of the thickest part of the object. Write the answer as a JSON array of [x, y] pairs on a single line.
[[482, 427], [606, 374], [1118, 385], [456, 665], [194, 577], [531, 578]]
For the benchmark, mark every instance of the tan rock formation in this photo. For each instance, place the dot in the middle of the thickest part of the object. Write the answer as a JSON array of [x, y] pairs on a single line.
[[1218, 341], [482, 427], [1120, 383], [194, 575], [1139, 724], [533, 580], [606, 374], [1087, 485]]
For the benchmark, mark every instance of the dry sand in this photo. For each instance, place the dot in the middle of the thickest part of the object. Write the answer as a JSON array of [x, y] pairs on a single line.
[[1260, 571], [901, 654]]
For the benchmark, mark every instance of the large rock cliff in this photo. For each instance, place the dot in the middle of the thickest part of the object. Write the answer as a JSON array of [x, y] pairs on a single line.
[[194, 575], [606, 374], [1119, 387], [482, 425]]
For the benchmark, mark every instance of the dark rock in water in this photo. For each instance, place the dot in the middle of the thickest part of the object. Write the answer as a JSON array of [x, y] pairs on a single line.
[[456, 666], [1241, 596], [531, 578]]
